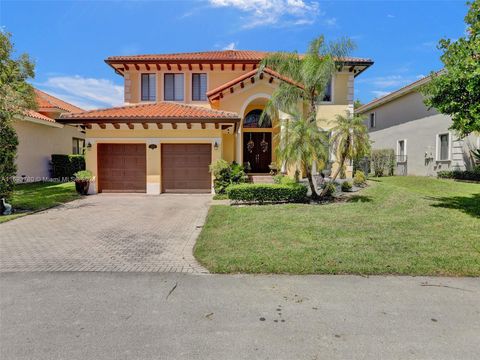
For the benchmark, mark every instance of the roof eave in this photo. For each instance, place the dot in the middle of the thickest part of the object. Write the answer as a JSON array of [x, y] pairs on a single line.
[[153, 120]]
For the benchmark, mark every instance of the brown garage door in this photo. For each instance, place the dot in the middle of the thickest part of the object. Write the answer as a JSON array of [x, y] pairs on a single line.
[[122, 167], [185, 167]]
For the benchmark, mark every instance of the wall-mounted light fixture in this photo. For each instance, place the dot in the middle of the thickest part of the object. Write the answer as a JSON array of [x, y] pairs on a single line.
[[215, 145], [152, 146], [89, 146]]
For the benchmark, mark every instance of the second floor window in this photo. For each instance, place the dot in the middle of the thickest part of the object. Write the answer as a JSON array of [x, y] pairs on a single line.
[[327, 97], [148, 87], [199, 87], [173, 87], [372, 120], [444, 144]]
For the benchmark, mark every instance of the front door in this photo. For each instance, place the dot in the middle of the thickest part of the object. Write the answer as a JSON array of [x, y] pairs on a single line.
[[257, 151]]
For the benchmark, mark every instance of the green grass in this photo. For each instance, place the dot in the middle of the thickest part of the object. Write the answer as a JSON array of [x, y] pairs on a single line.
[[32, 197], [398, 225]]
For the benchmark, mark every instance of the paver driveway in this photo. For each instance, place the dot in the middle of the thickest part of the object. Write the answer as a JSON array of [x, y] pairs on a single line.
[[107, 233]]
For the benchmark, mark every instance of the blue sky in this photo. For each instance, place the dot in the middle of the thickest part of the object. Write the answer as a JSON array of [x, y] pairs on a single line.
[[70, 39]]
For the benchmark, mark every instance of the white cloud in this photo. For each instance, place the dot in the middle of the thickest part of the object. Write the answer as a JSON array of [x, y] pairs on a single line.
[[389, 81], [380, 93], [230, 46], [273, 12], [87, 93], [390, 16], [331, 22]]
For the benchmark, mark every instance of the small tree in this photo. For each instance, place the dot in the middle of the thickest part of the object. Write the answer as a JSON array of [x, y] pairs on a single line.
[[456, 90], [306, 145], [349, 140], [16, 96]]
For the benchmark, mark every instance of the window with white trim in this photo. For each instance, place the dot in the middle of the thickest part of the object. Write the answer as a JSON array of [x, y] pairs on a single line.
[[443, 152], [199, 87], [372, 120], [148, 87], [173, 85], [402, 150]]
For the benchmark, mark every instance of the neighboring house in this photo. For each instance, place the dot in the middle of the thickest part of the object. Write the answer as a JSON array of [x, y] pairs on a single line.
[[184, 111], [40, 136], [420, 137]]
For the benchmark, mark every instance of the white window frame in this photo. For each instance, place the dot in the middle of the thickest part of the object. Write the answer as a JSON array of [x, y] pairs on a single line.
[[208, 84], [437, 142], [140, 87], [374, 113], [404, 147], [184, 86], [332, 99]]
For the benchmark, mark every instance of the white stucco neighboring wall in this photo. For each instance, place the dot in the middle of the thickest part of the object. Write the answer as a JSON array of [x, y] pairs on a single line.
[[422, 145], [37, 142]]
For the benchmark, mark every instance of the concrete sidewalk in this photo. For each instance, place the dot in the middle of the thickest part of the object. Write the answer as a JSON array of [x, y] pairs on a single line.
[[182, 316]]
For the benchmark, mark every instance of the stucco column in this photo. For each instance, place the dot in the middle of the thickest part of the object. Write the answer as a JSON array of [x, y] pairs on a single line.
[[91, 164], [153, 167]]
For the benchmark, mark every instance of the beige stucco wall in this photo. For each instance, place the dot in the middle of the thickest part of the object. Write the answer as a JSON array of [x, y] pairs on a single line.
[[37, 142]]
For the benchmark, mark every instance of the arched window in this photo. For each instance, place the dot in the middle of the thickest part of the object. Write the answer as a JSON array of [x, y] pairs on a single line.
[[252, 120]]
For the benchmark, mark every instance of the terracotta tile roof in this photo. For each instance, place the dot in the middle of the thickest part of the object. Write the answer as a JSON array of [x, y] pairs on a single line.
[[47, 101], [236, 55], [38, 116], [151, 111], [220, 55], [247, 75]]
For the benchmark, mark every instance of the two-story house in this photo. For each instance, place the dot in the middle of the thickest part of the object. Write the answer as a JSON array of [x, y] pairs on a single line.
[[184, 111]]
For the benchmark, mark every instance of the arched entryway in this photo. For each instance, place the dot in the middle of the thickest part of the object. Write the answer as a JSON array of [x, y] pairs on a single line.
[[257, 142]]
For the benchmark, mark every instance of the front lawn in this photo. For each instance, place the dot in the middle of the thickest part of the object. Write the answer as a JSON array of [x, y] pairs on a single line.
[[39, 196], [398, 225]]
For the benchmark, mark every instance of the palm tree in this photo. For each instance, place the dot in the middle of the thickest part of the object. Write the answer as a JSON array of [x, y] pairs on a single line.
[[306, 145], [349, 140], [310, 74]]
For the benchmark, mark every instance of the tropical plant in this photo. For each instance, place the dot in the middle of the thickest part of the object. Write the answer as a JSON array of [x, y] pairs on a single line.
[[476, 155], [310, 74], [456, 90], [306, 145], [349, 140], [16, 96]]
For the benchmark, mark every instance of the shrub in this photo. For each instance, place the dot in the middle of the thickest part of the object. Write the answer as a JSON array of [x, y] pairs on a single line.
[[226, 174], [331, 188], [383, 162], [359, 178], [284, 180], [8, 151], [262, 193], [471, 175], [346, 186], [65, 166], [84, 175]]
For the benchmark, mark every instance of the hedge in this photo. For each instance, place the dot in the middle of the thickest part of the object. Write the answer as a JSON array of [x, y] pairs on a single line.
[[460, 175], [272, 193], [64, 166]]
